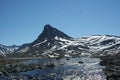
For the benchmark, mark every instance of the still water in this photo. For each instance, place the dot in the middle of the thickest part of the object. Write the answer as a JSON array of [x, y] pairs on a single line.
[[83, 68]]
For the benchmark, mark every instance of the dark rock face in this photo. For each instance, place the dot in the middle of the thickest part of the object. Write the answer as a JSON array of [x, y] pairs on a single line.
[[109, 41], [48, 36], [49, 33]]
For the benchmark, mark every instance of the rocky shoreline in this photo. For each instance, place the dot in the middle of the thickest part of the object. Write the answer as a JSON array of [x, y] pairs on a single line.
[[84, 68]]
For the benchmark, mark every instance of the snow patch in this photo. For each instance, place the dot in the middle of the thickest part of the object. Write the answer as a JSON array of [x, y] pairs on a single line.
[[24, 49], [56, 37], [67, 55], [40, 43]]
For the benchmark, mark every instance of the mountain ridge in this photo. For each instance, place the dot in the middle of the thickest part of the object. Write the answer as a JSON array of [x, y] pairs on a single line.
[[54, 43], [7, 49]]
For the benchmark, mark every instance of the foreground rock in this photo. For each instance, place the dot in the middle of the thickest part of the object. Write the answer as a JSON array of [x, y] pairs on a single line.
[[112, 63]]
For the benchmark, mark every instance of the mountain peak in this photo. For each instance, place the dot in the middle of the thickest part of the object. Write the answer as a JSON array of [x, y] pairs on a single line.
[[50, 33], [47, 26]]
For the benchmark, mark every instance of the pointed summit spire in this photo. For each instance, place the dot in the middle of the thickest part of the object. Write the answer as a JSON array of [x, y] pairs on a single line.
[[48, 27]]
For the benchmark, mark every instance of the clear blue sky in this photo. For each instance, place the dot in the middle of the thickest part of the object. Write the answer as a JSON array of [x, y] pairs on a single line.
[[21, 21]]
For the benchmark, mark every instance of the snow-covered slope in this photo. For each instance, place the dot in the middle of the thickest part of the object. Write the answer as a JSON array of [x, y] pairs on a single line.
[[106, 43], [7, 49], [54, 43]]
